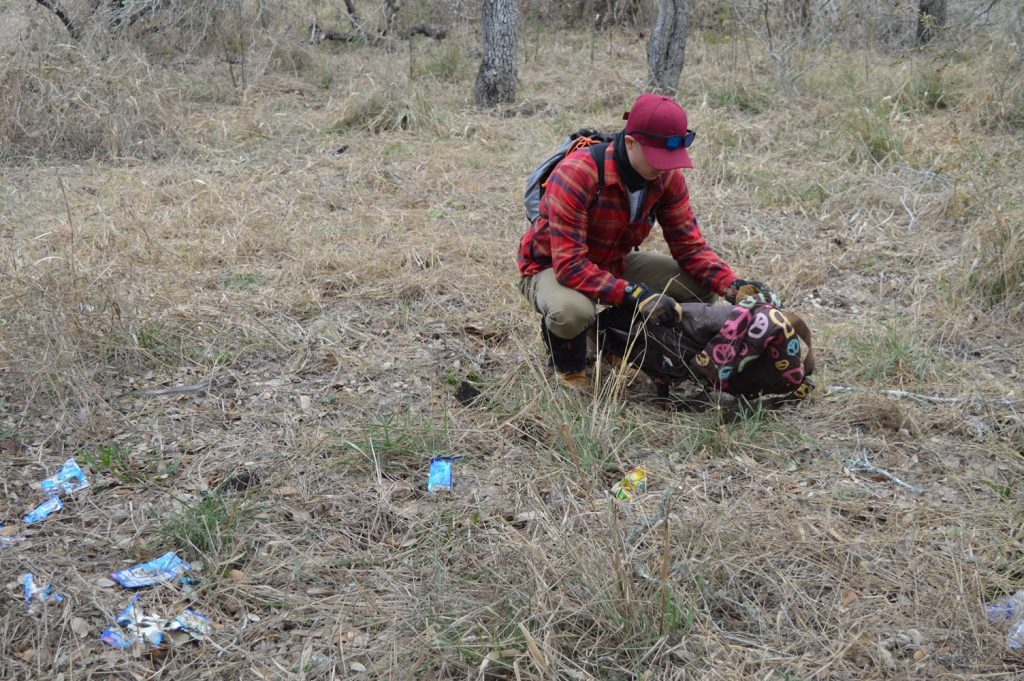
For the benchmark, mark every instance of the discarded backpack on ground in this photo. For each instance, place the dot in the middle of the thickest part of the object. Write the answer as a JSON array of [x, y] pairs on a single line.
[[750, 349]]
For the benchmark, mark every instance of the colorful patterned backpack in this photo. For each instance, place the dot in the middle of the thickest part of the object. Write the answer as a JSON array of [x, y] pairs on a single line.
[[750, 349]]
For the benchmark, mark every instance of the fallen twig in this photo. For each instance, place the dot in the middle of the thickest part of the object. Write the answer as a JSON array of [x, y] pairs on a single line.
[[429, 31], [639, 531], [913, 218], [861, 464], [208, 384], [931, 399]]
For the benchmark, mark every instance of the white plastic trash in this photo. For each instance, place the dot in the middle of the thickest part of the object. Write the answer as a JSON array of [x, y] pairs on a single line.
[[1010, 610]]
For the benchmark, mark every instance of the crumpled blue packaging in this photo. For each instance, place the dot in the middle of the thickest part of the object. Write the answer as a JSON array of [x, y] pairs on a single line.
[[195, 624], [166, 568], [116, 638], [68, 480], [441, 473], [43, 510], [36, 594], [133, 626]]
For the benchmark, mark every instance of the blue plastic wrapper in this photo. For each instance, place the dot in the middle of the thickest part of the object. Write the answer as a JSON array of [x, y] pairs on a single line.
[[116, 637], [193, 623], [68, 480], [1007, 610], [134, 626], [36, 594], [441, 473], [166, 568], [43, 510]]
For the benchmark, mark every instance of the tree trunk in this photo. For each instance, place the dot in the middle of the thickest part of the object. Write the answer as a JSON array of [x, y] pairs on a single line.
[[496, 80], [666, 51], [931, 19], [353, 16], [58, 9]]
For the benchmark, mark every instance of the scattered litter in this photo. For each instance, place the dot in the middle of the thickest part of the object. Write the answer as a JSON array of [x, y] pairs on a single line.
[[1010, 610], [116, 638], [1015, 639], [1006, 610], [43, 510], [631, 486], [441, 473], [36, 594], [134, 626], [195, 624], [166, 568], [68, 480]]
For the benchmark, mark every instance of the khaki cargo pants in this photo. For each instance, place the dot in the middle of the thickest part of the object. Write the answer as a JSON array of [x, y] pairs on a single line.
[[567, 312]]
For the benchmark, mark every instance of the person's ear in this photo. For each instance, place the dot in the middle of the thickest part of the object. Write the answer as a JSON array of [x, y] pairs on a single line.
[[630, 140]]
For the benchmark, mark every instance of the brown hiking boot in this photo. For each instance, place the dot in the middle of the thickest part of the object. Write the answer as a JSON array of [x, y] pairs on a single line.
[[568, 357], [577, 380]]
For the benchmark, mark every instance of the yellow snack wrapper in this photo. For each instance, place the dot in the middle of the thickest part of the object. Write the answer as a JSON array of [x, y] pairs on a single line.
[[635, 483]]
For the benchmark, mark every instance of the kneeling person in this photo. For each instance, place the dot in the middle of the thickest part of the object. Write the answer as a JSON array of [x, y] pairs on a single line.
[[580, 250]]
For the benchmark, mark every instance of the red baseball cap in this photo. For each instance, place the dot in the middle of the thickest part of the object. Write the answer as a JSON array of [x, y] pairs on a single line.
[[658, 123]]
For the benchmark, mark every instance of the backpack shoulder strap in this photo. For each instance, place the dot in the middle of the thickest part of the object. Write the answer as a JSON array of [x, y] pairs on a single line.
[[597, 152]]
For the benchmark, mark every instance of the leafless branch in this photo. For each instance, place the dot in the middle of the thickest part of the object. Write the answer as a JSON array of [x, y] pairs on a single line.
[[932, 399], [201, 386], [861, 464], [70, 24]]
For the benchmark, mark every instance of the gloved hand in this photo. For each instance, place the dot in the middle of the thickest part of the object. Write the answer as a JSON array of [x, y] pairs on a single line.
[[742, 288], [656, 308]]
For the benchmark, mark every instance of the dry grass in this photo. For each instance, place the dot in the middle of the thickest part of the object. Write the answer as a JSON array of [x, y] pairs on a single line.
[[71, 103], [337, 272]]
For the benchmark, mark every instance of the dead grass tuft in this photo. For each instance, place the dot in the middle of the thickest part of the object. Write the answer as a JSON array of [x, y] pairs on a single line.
[[995, 276], [388, 107], [70, 104]]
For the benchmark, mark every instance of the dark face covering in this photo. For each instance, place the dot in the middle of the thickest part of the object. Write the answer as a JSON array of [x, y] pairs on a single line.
[[634, 181]]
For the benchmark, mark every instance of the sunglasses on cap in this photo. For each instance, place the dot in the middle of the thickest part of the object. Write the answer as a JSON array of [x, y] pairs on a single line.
[[670, 142]]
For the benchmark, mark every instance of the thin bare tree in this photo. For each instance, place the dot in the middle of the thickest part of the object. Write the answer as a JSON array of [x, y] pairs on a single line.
[[354, 18], [666, 50], [497, 78], [74, 30]]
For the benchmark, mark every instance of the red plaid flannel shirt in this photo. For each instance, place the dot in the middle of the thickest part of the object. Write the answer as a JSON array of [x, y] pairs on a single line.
[[587, 246]]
